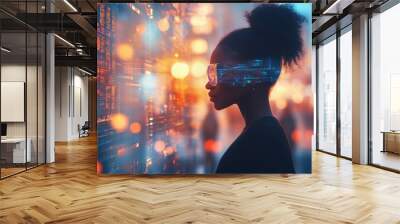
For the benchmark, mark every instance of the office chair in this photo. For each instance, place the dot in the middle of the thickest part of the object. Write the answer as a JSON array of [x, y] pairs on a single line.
[[84, 130]]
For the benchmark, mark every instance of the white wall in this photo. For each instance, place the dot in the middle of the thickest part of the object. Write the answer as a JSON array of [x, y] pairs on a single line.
[[16, 73], [71, 93], [33, 127], [61, 104], [81, 89]]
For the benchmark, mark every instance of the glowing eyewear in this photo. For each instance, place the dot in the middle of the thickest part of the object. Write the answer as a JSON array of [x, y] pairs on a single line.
[[253, 72]]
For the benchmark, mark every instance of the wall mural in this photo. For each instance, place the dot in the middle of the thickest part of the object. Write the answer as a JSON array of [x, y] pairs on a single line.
[[204, 88]]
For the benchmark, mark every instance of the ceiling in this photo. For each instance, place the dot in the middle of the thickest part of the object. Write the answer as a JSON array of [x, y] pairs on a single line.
[[75, 21], [332, 15]]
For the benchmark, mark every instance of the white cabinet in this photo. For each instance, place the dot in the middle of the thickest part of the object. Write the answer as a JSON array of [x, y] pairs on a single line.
[[19, 155]]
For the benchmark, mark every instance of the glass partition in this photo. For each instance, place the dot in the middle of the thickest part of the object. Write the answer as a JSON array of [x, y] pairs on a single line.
[[22, 89], [31, 99], [327, 96], [13, 94], [41, 96]]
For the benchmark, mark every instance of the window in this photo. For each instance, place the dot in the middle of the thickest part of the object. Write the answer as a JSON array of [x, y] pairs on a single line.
[[346, 93], [385, 88], [327, 96]]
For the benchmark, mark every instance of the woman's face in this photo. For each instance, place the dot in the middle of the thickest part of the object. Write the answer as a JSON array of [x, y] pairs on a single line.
[[224, 95]]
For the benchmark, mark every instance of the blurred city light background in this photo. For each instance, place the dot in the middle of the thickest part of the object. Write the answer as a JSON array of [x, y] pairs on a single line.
[[154, 114]]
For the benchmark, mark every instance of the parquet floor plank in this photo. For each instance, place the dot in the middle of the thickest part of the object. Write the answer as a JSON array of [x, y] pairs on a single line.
[[69, 191]]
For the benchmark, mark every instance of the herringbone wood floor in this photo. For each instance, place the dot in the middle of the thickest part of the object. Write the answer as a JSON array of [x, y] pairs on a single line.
[[69, 191]]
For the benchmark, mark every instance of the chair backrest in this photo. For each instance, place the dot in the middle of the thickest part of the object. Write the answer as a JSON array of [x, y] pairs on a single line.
[[86, 125]]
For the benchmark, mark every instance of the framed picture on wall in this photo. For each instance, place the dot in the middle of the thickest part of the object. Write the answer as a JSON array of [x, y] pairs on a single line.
[[204, 88]]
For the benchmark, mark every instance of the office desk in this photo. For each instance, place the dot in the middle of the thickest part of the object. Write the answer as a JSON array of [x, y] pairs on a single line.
[[16, 147], [391, 141]]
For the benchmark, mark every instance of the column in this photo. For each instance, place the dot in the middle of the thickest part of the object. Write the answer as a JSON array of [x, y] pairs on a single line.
[[360, 90]]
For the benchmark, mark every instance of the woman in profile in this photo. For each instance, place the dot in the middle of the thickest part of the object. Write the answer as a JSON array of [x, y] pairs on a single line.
[[243, 67]]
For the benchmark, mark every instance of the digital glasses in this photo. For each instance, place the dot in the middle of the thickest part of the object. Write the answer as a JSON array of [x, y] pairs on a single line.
[[250, 73]]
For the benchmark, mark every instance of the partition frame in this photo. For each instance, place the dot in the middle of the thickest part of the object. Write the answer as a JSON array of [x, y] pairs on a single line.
[[44, 94], [337, 35]]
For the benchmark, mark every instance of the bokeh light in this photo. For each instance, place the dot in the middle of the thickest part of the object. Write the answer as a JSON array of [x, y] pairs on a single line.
[[201, 24], [199, 68], [134, 9], [210, 145], [169, 150], [163, 24], [205, 9], [159, 146], [125, 52], [135, 128], [202, 29], [199, 46], [141, 28], [121, 152], [198, 20], [177, 19], [281, 104], [297, 98], [180, 70], [149, 82], [99, 167], [149, 162], [119, 122]]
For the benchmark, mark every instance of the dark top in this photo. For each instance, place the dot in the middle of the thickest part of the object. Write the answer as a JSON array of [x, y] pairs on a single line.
[[260, 148]]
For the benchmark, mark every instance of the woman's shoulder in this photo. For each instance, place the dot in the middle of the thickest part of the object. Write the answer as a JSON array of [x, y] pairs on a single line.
[[263, 147], [268, 135]]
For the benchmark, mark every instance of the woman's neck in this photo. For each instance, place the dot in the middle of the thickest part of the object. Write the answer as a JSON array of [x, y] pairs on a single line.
[[254, 106]]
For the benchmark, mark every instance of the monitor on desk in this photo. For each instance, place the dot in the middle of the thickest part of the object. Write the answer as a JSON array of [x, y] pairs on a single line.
[[3, 130]]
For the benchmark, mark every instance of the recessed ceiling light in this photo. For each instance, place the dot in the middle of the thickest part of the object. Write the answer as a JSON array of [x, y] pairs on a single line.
[[337, 7], [84, 71], [5, 50], [65, 41], [70, 5]]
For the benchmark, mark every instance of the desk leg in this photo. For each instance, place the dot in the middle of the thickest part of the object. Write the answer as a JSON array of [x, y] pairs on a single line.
[[384, 142]]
